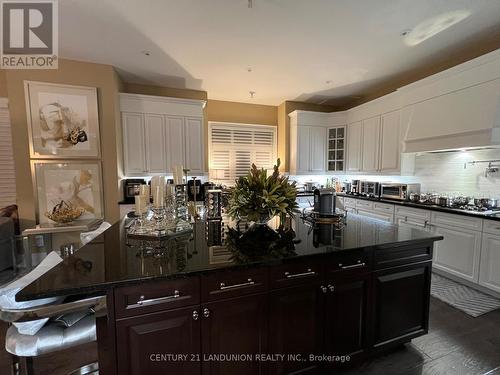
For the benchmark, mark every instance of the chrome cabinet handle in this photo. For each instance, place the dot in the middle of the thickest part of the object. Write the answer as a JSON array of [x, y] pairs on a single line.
[[351, 266], [195, 315], [223, 286], [143, 301], [293, 275], [206, 312], [323, 288], [331, 288]]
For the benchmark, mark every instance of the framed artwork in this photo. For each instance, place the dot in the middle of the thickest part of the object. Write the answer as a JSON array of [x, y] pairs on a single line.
[[63, 121], [75, 183]]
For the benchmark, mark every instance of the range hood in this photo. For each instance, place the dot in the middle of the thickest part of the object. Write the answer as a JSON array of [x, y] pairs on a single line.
[[465, 118]]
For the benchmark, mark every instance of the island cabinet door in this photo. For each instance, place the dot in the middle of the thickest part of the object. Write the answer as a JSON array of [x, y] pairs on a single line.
[[296, 317], [160, 343], [346, 316], [401, 303], [233, 333]]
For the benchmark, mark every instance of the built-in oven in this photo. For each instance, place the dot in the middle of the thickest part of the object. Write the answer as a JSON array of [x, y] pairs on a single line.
[[398, 191]]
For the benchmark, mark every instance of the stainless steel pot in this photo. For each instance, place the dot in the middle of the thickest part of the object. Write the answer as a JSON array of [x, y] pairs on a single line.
[[414, 197], [492, 203]]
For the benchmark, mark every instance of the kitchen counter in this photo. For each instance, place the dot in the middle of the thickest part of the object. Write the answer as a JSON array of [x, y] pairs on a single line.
[[113, 259], [432, 207], [364, 281]]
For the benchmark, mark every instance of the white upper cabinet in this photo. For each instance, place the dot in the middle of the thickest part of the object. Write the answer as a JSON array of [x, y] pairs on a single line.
[[175, 140], [371, 144], [160, 132], [374, 144], [317, 136], [156, 157], [390, 142], [309, 140], [303, 149], [194, 151], [354, 146], [134, 154]]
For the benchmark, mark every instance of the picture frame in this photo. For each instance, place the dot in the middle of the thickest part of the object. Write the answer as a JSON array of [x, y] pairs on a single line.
[[63, 121], [75, 181]]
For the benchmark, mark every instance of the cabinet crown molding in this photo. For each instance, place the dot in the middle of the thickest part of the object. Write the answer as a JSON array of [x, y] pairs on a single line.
[[161, 105]]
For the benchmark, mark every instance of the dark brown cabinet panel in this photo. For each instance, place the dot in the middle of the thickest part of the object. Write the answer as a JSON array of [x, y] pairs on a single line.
[[296, 319], [141, 339], [346, 315], [401, 300], [234, 326]]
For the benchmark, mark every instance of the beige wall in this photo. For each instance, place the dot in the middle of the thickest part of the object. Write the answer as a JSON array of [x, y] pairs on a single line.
[[77, 73], [245, 113], [284, 126], [3, 83]]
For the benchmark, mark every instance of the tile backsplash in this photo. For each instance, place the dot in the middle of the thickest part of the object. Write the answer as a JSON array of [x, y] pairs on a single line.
[[441, 173]]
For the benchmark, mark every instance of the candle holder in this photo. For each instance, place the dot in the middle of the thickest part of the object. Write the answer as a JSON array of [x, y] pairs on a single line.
[[181, 211], [140, 224], [159, 220]]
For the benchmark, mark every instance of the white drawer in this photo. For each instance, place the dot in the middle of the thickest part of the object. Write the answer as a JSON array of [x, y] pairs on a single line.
[[491, 226], [350, 202], [383, 207], [415, 213], [367, 205], [460, 221]]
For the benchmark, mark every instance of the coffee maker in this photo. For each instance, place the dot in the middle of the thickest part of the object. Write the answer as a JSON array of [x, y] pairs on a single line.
[[131, 189], [324, 202]]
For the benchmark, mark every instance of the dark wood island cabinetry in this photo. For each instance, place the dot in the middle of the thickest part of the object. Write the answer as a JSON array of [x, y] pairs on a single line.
[[318, 308]]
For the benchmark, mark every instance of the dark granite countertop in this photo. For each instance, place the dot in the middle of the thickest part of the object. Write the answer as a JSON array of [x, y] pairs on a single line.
[[114, 259], [431, 207]]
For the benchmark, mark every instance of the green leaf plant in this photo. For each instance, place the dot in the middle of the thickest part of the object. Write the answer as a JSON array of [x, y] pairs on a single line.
[[259, 197]]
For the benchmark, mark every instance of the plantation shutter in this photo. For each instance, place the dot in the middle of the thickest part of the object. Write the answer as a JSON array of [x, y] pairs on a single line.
[[8, 179], [233, 148]]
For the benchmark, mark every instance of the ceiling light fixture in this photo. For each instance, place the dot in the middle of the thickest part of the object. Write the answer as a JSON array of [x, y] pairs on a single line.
[[433, 26], [252, 93], [146, 53], [249, 69]]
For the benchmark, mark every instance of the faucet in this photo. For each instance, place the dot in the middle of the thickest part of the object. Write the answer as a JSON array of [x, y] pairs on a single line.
[[490, 169]]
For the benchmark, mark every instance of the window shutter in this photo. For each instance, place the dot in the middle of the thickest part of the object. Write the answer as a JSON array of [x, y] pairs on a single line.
[[235, 147], [7, 171]]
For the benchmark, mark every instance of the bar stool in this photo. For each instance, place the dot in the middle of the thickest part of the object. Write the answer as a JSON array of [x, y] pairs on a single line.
[[52, 337]]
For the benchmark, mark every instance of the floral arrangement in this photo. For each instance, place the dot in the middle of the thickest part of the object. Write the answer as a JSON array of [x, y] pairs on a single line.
[[259, 197]]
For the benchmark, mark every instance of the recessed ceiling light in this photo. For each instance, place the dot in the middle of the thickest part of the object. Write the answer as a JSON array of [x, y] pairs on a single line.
[[432, 26], [405, 32], [328, 82], [146, 52], [249, 69]]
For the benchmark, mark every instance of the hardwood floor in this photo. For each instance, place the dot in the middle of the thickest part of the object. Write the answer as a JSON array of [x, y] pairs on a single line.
[[457, 344]]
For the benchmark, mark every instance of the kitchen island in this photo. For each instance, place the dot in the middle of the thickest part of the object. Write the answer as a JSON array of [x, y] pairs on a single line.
[[342, 292]]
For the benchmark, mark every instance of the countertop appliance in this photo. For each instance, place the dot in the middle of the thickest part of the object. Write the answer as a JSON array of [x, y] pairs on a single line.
[[325, 202], [195, 191], [370, 189], [131, 189], [355, 187], [398, 191]]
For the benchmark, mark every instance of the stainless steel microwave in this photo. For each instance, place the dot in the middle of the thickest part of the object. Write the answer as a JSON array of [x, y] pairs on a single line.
[[398, 191]]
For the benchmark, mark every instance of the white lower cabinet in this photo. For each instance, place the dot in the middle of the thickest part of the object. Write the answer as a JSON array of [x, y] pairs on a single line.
[[377, 215], [489, 270], [458, 253]]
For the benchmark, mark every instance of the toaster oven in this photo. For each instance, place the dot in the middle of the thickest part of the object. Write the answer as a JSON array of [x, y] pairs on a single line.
[[398, 191]]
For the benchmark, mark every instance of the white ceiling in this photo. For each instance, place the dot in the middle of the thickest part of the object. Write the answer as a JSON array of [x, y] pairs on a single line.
[[297, 49]]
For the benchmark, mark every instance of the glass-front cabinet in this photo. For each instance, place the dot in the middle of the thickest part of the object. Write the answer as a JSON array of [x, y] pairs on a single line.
[[336, 149]]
